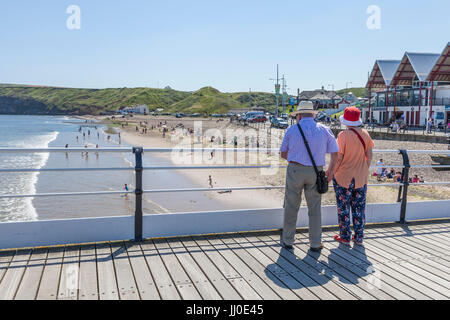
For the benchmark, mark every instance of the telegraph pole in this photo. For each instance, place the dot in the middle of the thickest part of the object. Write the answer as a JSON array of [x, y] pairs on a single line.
[[284, 94], [277, 88]]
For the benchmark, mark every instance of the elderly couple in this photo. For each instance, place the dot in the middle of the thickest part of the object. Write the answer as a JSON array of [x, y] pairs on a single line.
[[351, 156]]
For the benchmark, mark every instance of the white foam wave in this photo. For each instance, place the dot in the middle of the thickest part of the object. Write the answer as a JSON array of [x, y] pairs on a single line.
[[38, 161]]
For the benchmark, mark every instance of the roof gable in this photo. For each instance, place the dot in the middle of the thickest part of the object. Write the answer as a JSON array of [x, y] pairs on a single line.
[[414, 65], [441, 70], [382, 73]]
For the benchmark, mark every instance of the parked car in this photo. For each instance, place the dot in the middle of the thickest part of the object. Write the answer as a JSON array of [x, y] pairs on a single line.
[[257, 118], [279, 123]]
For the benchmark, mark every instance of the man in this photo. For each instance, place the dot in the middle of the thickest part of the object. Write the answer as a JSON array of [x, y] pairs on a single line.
[[300, 173]]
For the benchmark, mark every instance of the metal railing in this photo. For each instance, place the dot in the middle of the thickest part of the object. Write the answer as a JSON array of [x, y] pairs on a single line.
[[403, 185]]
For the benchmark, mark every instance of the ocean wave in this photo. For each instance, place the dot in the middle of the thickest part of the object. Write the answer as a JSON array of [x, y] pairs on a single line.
[[15, 209]]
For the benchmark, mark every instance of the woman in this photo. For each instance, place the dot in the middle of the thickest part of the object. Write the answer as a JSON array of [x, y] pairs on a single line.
[[350, 175]]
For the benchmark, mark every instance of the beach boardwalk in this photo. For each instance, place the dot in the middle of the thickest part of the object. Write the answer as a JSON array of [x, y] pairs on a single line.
[[403, 262]]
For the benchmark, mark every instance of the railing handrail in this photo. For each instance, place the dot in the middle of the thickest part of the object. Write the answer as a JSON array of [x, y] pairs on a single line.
[[29, 170], [162, 150], [138, 152]]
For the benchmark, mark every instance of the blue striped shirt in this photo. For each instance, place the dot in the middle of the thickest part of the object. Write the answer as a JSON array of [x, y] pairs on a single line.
[[321, 141]]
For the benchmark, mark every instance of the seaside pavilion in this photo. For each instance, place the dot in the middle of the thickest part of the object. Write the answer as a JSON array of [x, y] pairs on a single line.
[[410, 90]]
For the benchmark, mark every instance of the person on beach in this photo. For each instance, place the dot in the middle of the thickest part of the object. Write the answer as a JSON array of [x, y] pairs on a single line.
[[350, 175], [301, 176], [210, 182]]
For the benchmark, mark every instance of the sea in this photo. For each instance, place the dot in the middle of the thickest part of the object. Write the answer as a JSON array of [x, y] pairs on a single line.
[[57, 131]]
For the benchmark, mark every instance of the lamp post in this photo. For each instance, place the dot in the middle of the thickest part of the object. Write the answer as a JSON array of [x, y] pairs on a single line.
[[333, 94], [277, 88]]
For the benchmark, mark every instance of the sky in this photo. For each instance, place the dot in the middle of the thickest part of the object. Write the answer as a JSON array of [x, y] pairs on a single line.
[[231, 45]]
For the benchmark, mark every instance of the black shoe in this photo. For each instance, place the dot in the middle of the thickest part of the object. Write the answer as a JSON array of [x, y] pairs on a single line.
[[318, 249], [286, 246]]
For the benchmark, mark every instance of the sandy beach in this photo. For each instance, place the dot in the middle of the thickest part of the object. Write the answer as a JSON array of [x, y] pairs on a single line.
[[224, 178]]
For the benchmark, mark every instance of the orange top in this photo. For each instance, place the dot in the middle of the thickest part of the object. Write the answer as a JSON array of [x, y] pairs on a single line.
[[354, 161]]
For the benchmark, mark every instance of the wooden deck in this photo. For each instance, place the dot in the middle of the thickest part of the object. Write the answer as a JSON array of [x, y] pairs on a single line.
[[397, 262]]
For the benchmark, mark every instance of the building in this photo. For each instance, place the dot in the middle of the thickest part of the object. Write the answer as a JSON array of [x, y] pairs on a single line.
[[411, 90], [321, 98], [139, 109]]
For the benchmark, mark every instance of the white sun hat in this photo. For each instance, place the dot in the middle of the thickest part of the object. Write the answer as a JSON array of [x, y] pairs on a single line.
[[304, 107]]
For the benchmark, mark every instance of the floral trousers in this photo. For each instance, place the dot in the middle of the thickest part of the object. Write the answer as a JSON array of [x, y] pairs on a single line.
[[354, 199]]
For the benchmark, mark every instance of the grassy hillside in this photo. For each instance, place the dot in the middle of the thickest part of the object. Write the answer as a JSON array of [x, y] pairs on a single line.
[[205, 100], [91, 101], [359, 92], [51, 100]]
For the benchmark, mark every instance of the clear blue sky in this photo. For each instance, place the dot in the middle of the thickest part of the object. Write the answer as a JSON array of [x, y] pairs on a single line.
[[230, 45]]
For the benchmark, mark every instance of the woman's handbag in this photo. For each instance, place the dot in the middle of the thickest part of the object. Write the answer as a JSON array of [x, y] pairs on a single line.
[[322, 179]]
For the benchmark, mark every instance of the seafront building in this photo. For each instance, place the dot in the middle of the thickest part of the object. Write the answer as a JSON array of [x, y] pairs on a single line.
[[411, 90], [321, 98], [139, 109]]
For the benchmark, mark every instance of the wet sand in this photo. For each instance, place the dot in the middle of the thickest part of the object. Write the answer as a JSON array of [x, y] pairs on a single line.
[[255, 177]]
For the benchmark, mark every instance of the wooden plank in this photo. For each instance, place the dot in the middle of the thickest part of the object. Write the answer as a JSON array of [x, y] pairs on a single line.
[[5, 260], [107, 285], [257, 268], [30, 282], [391, 277], [166, 287], [143, 277], [176, 271], [264, 290], [316, 281], [11, 280], [48, 288], [360, 276], [222, 285], [350, 277], [387, 267], [433, 244], [415, 253], [431, 239], [236, 280], [88, 274], [124, 273], [276, 271], [69, 280], [195, 273], [412, 247]]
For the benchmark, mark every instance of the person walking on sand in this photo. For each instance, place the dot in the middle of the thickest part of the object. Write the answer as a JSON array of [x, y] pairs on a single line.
[[301, 175], [350, 175], [126, 190], [210, 182]]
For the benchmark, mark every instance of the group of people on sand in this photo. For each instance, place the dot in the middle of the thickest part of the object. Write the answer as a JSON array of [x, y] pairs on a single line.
[[383, 174], [304, 146]]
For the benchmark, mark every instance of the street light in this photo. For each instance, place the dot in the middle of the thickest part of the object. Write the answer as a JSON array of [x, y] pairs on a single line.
[[277, 88], [346, 86], [332, 90]]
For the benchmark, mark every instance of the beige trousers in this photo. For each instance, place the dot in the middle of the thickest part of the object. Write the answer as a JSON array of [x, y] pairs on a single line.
[[299, 178]]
